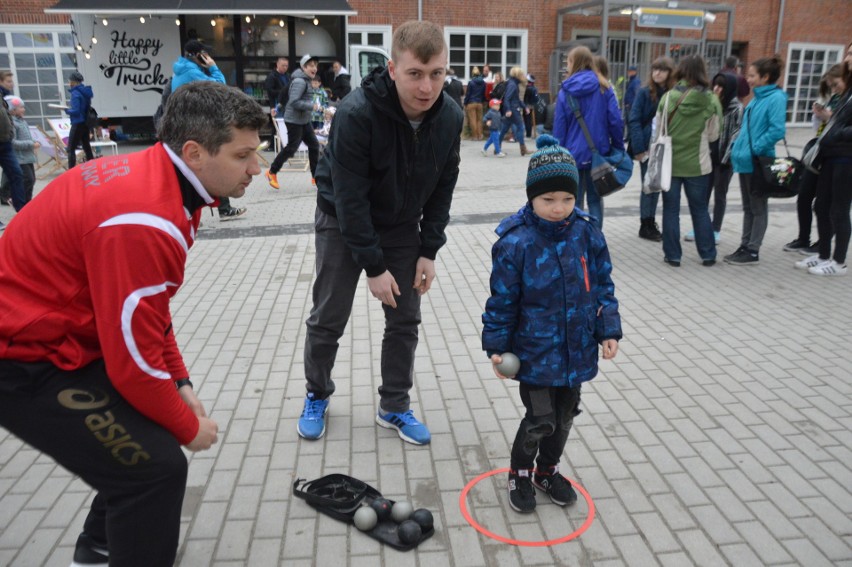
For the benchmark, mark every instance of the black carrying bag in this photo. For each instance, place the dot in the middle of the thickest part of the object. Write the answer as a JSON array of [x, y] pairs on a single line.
[[340, 496], [775, 177], [92, 119]]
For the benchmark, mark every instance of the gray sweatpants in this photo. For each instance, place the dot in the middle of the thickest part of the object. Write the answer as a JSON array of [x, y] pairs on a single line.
[[333, 293], [755, 214]]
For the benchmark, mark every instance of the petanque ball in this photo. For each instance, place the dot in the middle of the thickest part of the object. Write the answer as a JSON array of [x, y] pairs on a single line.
[[366, 518], [424, 519], [510, 366], [382, 507], [401, 511], [409, 532]]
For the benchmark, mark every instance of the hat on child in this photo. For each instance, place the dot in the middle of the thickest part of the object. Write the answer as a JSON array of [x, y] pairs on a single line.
[[76, 76], [495, 103], [305, 58], [551, 168]]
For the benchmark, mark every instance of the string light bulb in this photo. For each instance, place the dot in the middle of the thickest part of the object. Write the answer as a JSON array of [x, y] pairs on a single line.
[[248, 19], [316, 21], [105, 22], [177, 21], [213, 22], [94, 40], [79, 47], [88, 55], [281, 22], [141, 19]]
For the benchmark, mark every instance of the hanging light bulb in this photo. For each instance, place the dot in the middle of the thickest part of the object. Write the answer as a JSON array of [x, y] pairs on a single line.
[[88, 55], [94, 40], [177, 21], [316, 21], [213, 22], [141, 19], [248, 19], [281, 22], [104, 22], [79, 47]]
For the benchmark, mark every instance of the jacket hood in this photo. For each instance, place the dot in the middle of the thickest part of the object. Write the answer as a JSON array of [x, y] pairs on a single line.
[[729, 91], [380, 90], [768, 90], [300, 74], [84, 90], [582, 83], [526, 215], [342, 71], [696, 101], [184, 65]]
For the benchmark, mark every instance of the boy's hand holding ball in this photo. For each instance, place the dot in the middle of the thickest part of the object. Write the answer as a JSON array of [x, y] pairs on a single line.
[[506, 365]]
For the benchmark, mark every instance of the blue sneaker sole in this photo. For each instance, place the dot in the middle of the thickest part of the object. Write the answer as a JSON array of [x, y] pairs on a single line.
[[403, 436]]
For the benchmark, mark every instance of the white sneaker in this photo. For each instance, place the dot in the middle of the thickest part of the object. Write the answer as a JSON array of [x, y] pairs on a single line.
[[690, 236], [501, 154], [829, 268], [484, 153], [811, 262]]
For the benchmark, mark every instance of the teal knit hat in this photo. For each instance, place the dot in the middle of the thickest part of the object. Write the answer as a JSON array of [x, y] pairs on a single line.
[[551, 168]]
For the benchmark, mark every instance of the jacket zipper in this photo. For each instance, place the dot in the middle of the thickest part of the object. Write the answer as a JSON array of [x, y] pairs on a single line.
[[585, 273]]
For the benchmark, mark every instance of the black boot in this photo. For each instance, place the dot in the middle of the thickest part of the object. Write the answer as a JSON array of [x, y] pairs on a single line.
[[650, 231]]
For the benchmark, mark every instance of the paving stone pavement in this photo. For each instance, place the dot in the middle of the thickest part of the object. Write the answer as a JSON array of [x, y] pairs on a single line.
[[720, 435]]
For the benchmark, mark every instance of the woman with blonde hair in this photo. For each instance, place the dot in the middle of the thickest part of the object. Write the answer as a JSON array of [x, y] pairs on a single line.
[[598, 106], [514, 108]]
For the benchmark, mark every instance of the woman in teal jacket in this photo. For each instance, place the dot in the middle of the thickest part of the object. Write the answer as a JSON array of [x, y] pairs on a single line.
[[762, 128]]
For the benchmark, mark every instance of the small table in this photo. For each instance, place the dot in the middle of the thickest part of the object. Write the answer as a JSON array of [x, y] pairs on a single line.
[[105, 143]]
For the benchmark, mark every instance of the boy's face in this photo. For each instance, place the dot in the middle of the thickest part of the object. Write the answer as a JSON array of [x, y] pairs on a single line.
[[554, 206], [315, 83], [310, 68], [418, 84]]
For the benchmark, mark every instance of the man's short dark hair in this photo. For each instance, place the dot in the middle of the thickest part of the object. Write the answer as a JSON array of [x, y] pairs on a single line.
[[731, 62], [423, 39], [205, 111]]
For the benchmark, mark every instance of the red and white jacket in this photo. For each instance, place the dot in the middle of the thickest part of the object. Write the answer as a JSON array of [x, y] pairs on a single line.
[[87, 270]]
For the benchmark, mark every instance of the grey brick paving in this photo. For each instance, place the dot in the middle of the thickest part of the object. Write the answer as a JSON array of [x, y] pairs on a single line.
[[720, 435]]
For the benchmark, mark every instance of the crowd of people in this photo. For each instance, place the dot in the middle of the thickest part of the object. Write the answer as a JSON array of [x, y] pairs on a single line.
[[87, 268]]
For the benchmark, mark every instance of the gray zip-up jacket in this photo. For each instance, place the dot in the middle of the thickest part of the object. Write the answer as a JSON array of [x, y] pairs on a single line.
[[300, 105]]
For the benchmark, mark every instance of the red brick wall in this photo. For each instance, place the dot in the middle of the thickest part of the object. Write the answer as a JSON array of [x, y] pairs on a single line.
[[29, 12]]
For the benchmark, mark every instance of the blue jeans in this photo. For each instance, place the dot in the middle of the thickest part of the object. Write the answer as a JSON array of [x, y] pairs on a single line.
[[516, 123], [647, 202], [696, 189], [11, 167], [596, 208], [494, 138]]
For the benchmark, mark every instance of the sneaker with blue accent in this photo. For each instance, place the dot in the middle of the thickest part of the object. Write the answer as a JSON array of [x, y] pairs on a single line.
[[690, 236], [312, 422], [406, 425]]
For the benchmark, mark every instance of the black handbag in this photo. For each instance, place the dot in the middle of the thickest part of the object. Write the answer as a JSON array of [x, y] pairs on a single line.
[[775, 177]]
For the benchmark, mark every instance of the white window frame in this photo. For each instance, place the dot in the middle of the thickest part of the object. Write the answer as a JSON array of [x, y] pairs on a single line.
[[34, 114], [463, 74], [386, 31], [792, 83]]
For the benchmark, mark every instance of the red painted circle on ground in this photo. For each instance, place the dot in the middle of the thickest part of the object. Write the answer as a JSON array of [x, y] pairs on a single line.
[[590, 517]]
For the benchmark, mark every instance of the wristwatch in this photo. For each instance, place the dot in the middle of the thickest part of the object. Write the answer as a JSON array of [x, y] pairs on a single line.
[[183, 382]]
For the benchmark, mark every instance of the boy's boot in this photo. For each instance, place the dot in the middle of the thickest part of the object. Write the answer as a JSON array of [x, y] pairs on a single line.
[[521, 491], [555, 485]]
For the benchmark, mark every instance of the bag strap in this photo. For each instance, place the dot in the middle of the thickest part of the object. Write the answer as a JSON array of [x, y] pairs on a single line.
[[579, 116], [675, 109]]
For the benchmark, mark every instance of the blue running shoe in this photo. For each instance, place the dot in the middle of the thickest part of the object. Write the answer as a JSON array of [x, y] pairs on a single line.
[[406, 425], [312, 422]]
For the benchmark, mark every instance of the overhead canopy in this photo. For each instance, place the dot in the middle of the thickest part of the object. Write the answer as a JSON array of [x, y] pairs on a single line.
[[176, 7]]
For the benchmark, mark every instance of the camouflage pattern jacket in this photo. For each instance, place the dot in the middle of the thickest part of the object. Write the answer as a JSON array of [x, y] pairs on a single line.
[[552, 298]]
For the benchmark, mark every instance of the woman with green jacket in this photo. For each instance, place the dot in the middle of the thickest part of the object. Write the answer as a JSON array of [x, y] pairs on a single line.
[[762, 128], [693, 116]]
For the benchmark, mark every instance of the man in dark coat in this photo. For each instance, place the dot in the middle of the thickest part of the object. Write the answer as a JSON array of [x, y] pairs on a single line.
[[384, 187], [277, 81]]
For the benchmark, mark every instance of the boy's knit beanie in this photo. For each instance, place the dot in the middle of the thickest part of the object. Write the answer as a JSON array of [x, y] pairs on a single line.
[[551, 168]]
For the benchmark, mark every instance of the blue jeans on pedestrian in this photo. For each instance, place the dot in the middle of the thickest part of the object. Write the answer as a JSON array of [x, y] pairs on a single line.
[[595, 208], [647, 201], [11, 167], [696, 189], [494, 138], [516, 123]]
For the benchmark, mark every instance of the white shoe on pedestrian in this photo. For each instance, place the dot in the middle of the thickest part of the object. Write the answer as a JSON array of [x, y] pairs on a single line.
[[811, 262], [829, 268]]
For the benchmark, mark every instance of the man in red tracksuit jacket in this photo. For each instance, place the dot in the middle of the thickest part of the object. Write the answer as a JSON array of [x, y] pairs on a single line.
[[90, 372]]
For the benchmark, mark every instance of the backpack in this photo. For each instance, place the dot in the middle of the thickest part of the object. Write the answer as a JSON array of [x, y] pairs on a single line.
[[158, 114], [91, 118]]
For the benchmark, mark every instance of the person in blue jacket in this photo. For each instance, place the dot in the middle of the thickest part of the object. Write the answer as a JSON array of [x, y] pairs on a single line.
[[763, 126], [81, 100], [552, 302], [514, 108], [599, 107], [639, 121]]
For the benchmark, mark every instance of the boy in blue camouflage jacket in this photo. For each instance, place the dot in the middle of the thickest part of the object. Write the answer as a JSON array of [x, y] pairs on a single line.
[[552, 302]]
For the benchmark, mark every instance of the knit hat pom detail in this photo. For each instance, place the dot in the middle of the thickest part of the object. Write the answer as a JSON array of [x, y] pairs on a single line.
[[546, 140]]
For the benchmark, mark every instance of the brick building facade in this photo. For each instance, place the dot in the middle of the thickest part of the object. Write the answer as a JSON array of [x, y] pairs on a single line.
[[812, 33]]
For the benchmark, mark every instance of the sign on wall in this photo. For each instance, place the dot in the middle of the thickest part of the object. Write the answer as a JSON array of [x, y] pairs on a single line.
[[130, 63], [667, 18]]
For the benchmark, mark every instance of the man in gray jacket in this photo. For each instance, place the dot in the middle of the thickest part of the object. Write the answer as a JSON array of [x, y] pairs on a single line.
[[297, 119]]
